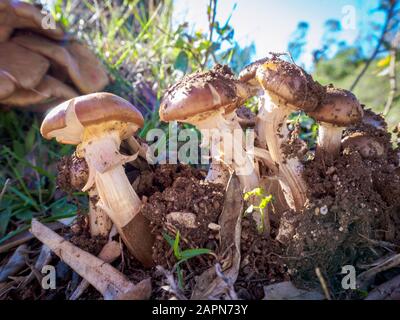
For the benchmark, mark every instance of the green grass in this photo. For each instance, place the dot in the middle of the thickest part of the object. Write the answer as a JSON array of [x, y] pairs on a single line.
[[144, 54], [27, 175]]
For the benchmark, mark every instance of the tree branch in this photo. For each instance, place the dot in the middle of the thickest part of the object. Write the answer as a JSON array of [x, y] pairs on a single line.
[[389, 17], [392, 74]]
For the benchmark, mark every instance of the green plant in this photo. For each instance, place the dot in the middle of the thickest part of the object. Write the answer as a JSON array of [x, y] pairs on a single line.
[[182, 255], [263, 201], [27, 176], [307, 128]]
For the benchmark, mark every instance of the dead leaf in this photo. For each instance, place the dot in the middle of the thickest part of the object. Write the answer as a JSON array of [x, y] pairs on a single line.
[[287, 291]]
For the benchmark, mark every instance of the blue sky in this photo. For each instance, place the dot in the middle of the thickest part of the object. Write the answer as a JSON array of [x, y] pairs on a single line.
[[269, 24]]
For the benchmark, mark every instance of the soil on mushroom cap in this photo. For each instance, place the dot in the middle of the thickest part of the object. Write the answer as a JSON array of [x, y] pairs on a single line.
[[351, 200]]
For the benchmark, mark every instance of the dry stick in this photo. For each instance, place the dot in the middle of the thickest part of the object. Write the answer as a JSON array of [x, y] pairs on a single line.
[[389, 290], [111, 283], [389, 17], [392, 74], [323, 283], [365, 278], [173, 285], [109, 253]]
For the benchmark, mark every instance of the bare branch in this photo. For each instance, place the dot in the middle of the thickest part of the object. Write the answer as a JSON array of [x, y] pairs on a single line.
[[389, 16]]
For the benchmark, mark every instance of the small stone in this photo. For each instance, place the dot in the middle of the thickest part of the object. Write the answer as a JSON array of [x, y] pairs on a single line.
[[324, 210], [214, 227]]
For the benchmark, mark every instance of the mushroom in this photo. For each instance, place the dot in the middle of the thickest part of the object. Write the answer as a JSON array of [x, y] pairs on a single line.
[[73, 173], [368, 146], [338, 109], [81, 65], [21, 15], [287, 88], [25, 67], [97, 123], [48, 88], [208, 101], [248, 76]]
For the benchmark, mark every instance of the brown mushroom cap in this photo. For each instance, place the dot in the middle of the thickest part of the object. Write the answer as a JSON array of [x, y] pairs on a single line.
[[7, 84], [27, 67], [5, 33], [338, 107], [21, 15], [290, 83], [82, 66], [202, 92], [248, 73], [367, 146], [88, 110], [48, 88]]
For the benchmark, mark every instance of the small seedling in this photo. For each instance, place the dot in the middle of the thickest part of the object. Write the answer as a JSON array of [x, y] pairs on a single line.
[[261, 207], [182, 255]]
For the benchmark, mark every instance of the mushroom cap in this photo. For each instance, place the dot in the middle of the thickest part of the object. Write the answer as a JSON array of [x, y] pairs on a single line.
[[82, 66], [202, 92], [67, 121], [7, 84], [368, 147], [338, 107], [48, 88], [248, 73], [21, 15], [290, 83], [27, 67], [5, 33]]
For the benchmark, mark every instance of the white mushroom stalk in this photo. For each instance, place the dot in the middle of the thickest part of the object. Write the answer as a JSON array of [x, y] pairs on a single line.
[[329, 139], [99, 222], [100, 148], [76, 168], [228, 146], [289, 169]]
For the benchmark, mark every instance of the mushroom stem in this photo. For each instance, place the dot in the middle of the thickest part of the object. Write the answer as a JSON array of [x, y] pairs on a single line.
[[100, 147], [218, 173], [100, 223], [228, 145], [329, 140], [290, 169]]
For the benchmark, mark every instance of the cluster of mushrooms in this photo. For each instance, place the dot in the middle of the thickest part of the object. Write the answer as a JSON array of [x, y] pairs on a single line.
[[99, 122], [40, 66]]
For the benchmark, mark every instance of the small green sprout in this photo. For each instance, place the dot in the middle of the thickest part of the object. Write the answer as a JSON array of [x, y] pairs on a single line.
[[261, 207], [183, 255]]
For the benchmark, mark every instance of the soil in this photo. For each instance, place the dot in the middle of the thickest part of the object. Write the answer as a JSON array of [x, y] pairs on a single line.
[[352, 201], [261, 261], [186, 203]]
